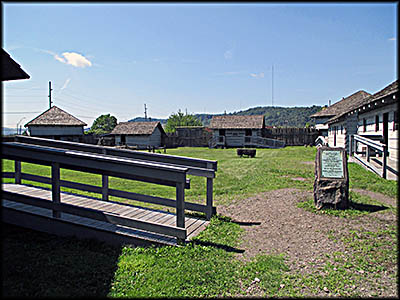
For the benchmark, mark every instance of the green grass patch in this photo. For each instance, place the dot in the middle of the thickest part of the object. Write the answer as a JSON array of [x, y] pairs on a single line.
[[205, 268]]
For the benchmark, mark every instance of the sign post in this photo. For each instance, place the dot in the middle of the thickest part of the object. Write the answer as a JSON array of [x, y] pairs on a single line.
[[331, 184]]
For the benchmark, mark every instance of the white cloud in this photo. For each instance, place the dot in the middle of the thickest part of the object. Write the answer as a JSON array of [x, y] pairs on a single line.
[[74, 59], [69, 58], [257, 75], [228, 54], [65, 84], [392, 39]]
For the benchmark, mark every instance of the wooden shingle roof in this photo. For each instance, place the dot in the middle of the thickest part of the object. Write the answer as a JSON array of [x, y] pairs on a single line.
[[10, 70], [237, 122], [55, 116], [136, 128], [344, 105], [390, 89]]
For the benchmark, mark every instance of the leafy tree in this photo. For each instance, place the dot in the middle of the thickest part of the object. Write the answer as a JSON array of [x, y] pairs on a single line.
[[181, 119], [103, 124]]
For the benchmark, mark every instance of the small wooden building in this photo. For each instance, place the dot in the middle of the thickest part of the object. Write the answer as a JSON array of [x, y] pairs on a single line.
[[56, 124], [139, 134], [342, 126], [236, 131]]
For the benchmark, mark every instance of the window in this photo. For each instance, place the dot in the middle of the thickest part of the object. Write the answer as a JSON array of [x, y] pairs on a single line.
[[395, 121], [364, 125], [248, 132], [341, 129], [377, 123]]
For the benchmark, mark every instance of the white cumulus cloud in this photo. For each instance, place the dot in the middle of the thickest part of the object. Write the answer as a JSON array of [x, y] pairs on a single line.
[[74, 59], [392, 39]]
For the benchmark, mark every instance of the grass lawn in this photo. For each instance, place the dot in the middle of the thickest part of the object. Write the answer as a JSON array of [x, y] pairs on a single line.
[[37, 264]]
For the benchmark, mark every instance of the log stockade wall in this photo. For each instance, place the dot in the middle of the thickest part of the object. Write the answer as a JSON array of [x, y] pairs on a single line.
[[292, 136]]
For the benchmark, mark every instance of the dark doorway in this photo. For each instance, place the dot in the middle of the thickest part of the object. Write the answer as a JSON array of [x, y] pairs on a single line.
[[123, 139], [222, 132], [248, 132]]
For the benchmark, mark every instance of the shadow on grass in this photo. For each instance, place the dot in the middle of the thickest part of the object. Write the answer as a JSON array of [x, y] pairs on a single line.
[[246, 223], [367, 207], [37, 264], [216, 245]]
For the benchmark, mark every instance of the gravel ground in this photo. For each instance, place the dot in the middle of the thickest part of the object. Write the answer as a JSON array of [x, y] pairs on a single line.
[[276, 225]]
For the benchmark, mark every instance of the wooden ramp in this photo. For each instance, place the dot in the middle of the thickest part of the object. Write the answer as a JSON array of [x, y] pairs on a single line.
[[42, 219]]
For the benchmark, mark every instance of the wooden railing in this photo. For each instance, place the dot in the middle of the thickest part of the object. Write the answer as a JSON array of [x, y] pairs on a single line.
[[99, 164], [196, 167], [369, 146]]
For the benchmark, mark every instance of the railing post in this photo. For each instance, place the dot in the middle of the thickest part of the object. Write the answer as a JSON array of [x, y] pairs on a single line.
[[55, 187], [180, 205], [104, 182], [368, 153], [209, 200], [17, 172], [384, 158], [104, 187]]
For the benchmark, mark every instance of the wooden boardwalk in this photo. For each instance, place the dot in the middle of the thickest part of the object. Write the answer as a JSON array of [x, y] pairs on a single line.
[[39, 218]]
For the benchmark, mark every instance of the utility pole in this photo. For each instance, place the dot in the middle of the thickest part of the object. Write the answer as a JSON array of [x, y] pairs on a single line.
[[145, 112], [50, 89]]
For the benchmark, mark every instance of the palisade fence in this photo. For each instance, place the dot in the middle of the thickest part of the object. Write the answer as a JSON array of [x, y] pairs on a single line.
[[292, 136]]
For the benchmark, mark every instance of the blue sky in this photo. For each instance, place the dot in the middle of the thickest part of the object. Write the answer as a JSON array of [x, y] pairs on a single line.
[[204, 58]]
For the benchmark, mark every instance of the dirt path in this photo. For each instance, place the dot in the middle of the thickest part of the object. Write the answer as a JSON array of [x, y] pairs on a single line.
[[274, 224]]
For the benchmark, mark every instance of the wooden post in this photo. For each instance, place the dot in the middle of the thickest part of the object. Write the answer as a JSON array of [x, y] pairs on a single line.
[[17, 173], [209, 198], [368, 153], [384, 158], [55, 187], [104, 187], [180, 205]]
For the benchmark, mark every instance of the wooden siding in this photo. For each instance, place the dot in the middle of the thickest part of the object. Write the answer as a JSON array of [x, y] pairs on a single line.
[[344, 129], [55, 130], [338, 129], [142, 140], [393, 145]]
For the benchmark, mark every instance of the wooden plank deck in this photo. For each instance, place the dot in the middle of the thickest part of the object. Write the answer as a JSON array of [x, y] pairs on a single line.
[[90, 227]]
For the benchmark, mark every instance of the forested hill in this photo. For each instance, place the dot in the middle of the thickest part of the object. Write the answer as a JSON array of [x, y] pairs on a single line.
[[274, 115]]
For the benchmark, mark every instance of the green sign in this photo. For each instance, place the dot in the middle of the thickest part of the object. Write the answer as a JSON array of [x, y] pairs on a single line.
[[332, 164]]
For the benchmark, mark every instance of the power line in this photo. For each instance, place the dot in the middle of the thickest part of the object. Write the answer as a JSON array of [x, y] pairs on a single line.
[[20, 112]]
